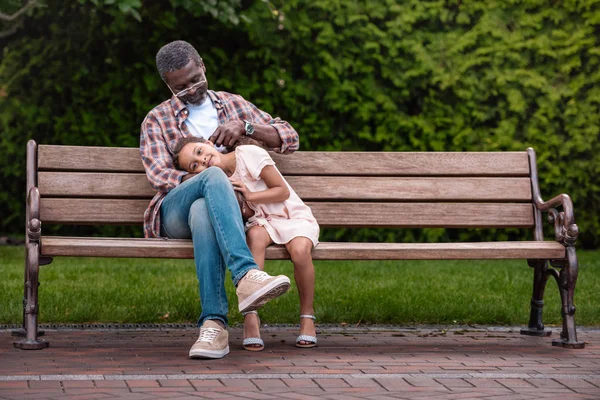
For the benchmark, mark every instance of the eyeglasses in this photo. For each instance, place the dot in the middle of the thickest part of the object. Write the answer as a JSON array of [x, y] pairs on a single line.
[[183, 92]]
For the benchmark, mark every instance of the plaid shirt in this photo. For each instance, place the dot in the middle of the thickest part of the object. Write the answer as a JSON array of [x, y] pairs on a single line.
[[164, 125]]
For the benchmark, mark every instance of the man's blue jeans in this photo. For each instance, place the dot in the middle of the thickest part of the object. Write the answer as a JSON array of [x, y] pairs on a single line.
[[204, 208]]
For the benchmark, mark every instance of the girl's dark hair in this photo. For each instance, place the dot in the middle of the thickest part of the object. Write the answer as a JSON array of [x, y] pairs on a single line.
[[181, 142]]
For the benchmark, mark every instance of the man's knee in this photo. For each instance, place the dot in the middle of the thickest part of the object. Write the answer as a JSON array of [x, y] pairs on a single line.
[[198, 215], [215, 175]]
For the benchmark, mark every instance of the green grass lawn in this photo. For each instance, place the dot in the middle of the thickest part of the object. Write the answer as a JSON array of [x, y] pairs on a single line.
[[93, 290]]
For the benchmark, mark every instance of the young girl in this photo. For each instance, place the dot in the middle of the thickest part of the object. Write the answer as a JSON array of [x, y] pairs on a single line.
[[279, 217]]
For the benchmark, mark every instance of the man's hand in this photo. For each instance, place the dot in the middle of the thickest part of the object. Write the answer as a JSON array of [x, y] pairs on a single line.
[[228, 133]]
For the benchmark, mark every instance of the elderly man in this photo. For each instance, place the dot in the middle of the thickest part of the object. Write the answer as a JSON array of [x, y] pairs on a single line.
[[203, 206]]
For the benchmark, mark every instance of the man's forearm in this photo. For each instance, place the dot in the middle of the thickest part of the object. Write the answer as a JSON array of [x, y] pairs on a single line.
[[268, 135]]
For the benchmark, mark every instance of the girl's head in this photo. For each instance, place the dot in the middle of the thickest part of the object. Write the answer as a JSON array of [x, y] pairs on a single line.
[[186, 149], [195, 154]]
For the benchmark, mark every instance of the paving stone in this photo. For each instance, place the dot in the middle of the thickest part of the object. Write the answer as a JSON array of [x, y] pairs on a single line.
[[269, 384], [356, 382], [5, 385], [205, 384], [331, 383], [45, 385], [454, 383], [391, 384], [576, 384], [257, 395], [110, 384], [427, 382], [303, 383], [547, 384], [174, 383], [245, 384], [142, 383], [74, 384]]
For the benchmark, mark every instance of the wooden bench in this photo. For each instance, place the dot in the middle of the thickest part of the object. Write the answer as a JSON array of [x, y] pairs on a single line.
[[101, 185]]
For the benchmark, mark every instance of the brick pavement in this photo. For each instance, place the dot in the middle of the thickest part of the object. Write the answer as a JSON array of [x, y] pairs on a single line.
[[370, 363]]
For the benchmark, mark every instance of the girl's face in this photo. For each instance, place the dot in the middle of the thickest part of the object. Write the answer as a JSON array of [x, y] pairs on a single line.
[[196, 157]]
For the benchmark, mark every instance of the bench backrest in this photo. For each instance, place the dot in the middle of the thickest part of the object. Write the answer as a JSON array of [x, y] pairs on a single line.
[[104, 185]]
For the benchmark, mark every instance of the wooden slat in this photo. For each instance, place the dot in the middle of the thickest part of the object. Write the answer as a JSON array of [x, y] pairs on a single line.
[[411, 189], [424, 215], [406, 215], [404, 163], [89, 158], [92, 211], [81, 158], [127, 185], [94, 184], [159, 248]]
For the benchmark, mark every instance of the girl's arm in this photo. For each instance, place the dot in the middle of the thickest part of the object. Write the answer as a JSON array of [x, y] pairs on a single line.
[[277, 191]]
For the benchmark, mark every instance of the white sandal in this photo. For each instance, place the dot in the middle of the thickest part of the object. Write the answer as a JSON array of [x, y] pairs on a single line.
[[312, 340], [250, 344]]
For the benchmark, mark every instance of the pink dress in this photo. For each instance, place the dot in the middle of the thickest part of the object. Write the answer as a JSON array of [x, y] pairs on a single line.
[[284, 220]]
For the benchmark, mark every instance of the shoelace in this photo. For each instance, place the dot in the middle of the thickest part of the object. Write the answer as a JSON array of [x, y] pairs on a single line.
[[258, 276], [208, 334]]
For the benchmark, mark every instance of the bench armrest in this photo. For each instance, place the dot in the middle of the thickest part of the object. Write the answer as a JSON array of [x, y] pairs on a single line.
[[34, 225], [566, 230]]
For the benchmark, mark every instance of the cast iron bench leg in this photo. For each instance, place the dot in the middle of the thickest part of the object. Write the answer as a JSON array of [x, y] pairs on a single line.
[[31, 341], [566, 284], [540, 277]]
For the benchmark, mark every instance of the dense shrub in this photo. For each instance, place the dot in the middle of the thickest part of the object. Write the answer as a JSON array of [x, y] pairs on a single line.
[[349, 75]]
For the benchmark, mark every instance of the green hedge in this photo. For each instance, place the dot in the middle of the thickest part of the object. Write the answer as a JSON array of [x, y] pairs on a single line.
[[349, 75]]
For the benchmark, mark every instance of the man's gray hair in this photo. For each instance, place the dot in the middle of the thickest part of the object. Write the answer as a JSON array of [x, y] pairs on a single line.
[[175, 55]]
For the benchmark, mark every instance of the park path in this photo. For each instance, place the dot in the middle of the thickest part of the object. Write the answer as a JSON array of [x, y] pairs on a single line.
[[367, 363]]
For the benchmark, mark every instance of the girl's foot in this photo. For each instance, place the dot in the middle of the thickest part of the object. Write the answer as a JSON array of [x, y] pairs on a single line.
[[252, 340], [308, 332]]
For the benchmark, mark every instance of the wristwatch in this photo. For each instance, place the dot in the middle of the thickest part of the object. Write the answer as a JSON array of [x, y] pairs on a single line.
[[249, 128]]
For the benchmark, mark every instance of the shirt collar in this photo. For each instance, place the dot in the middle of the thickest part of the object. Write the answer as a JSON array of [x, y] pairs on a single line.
[[177, 105], [215, 99]]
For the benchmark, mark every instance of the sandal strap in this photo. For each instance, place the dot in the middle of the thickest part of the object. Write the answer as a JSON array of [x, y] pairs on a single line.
[[249, 312], [306, 338], [308, 316], [253, 340]]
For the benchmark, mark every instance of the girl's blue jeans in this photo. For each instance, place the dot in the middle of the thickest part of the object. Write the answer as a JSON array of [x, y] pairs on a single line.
[[204, 208]]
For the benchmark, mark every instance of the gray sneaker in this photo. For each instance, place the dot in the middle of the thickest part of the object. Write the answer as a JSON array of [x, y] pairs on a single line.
[[212, 343], [257, 287]]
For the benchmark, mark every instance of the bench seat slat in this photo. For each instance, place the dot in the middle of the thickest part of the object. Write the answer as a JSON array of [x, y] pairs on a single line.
[[329, 214], [128, 185], [72, 158], [161, 248]]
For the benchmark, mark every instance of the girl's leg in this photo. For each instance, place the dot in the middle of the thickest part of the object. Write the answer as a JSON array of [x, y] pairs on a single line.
[[304, 273], [258, 239]]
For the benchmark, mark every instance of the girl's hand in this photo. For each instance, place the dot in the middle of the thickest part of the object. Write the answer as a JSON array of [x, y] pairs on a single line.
[[241, 187], [247, 212]]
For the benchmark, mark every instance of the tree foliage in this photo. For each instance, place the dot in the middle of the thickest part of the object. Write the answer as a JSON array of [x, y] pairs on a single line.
[[377, 75]]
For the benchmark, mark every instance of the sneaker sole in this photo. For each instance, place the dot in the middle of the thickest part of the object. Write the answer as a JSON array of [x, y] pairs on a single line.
[[203, 353], [261, 297]]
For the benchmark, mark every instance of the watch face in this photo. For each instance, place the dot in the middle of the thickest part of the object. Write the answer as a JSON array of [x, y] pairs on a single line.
[[249, 128]]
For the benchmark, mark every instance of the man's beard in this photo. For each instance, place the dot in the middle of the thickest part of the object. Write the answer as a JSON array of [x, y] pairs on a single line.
[[192, 101]]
